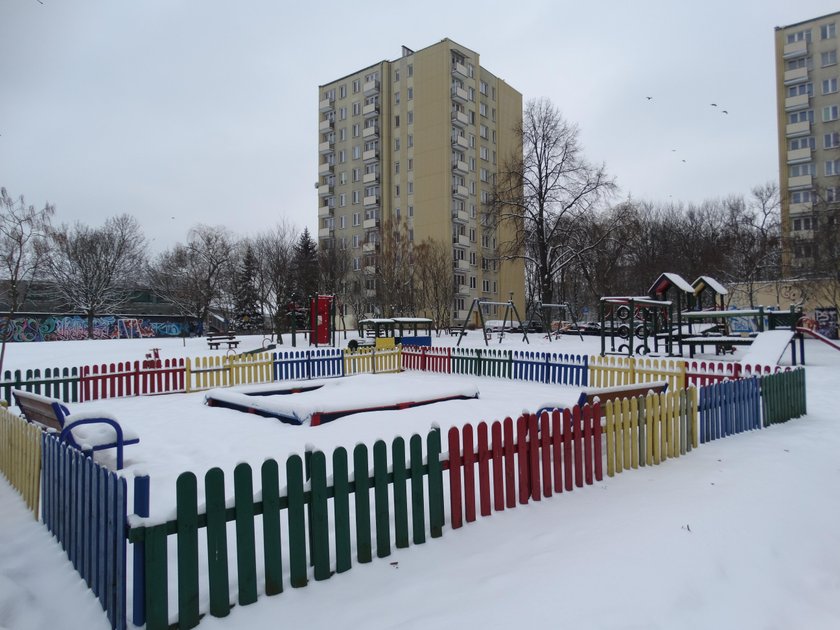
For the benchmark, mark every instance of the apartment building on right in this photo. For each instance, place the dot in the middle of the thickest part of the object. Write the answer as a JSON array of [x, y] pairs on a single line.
[[808, 106]]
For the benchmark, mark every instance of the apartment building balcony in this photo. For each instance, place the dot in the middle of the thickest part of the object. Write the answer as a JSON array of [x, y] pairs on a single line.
[[371, 201], [461, 240], [458, 317], [325, 190], [370, 110], [370, 247], [370, 156], [460, 192], [369, 133], [797, 75], [461, 264], [325, 105], [325, 211], [325, 168], [369, 270], [795, 49], [460, 70], [460, 216], [802, 208], [326, 232], [802, 181], [460, 119], [325, 126], [370, 293], [370, 178], [459, 94], [459, 166], [463, 289], [799, 155], [325, 147], [460, 142], [370, 88], [800, 101], [798, 129]]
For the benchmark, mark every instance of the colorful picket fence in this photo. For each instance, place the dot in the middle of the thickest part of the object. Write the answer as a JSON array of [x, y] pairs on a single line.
[[119, 380], [372, 360], [392, 505], [61, 383], [648, 430], [783, 396], [20, 457], [728, 408], [84, 506]]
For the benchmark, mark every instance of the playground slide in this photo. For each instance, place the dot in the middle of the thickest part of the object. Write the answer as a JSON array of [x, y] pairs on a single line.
[[816, 335], [768, 347]]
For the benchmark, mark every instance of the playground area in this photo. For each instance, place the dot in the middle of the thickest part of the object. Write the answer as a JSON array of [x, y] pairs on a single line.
[[180, 433]]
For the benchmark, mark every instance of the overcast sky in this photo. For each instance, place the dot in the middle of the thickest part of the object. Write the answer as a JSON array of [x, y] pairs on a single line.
[[186, 112]]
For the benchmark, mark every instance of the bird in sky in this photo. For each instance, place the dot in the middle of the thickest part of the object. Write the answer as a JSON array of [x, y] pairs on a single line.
[[649, 98], [683, 160], [714, 104], [725, 112]]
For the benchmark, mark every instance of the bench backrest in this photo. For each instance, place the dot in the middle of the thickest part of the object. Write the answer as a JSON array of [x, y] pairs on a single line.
[[618, 393], [41, 410]]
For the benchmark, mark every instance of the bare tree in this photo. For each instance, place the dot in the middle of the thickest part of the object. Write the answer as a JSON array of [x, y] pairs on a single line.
[[21, 228], [545, 193], [394, 268], [191, 276], [95, 270], [274, 251], [433, 268]]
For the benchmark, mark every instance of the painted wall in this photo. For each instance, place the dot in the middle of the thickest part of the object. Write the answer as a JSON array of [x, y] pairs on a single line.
[[67, 327]]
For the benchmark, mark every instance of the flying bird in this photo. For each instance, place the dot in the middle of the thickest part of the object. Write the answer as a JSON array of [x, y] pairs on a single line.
[[683, 160], [649, 98], [714, 104], [725, 112]]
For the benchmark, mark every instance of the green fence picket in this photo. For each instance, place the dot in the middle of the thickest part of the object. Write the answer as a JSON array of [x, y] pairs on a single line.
[[418, 515], [217, 554], [435, 477], [400, 495], [297, 522], [246, 556], [341, 510], [272, 542], [187, 516], [380, 496], [157, 594], [362, 498], [320, 526]]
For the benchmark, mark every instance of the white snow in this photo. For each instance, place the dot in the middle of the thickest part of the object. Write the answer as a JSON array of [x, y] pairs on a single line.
[[713, 284], [767, 347], [739, 534]]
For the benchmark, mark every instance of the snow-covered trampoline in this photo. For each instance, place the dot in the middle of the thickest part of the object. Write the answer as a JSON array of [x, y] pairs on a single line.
[[320, 401]]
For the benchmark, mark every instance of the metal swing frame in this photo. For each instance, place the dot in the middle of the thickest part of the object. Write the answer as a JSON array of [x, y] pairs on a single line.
[[509, 306], [565, 306]]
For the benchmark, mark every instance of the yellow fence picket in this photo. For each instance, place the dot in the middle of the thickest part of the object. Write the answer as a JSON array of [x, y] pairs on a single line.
[[20, 456]]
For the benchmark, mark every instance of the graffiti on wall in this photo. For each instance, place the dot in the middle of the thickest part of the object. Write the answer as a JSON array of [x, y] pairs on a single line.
[[70, 327]]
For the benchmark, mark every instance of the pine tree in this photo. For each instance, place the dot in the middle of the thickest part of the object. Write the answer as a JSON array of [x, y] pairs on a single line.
[[248, 316], [305, 268]]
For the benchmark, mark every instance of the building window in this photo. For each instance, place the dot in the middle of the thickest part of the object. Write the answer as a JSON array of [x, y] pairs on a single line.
[[482, 109], [832, 194], [396, 98], [356, 222], [410, 117], [806, 115], [357, 130], [342, 157], [410, 92], [341, 221], [831, 140], [410, 140], [828, 31], [802, 88], [796, 64], [482, 87], [342, 113], [799, 36], [829, 86], [410, 211], [396, 75], [357, 86], [357, 108], [396, 168], [357, 152], [397, 190], [484, 153], [799, 170], [396, 144], [801, 196], [357, 174], [357, 198], [485, 286], [342, 91], [410, 164], [832, 167], [342, 201], [828, 58], [831, 112], [397, 120], [410, 188], [410, 69], [804, 223]]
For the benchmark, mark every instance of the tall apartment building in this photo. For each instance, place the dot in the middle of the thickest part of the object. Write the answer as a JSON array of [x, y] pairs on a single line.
[[418, 139], [808, 104]]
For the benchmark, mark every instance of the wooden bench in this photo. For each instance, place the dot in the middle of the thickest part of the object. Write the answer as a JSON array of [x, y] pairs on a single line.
[[722, 344], [619, 392], [457, 330], [87, 432], [215, 340]]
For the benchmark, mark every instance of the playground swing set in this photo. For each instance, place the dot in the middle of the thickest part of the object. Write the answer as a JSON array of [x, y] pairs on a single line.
[[543, 311], [508, 322]]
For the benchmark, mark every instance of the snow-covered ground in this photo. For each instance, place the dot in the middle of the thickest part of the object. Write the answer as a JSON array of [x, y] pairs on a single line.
[[741, 533]]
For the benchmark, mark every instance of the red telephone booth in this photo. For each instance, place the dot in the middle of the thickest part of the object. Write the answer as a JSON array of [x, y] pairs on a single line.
[[320, 315]]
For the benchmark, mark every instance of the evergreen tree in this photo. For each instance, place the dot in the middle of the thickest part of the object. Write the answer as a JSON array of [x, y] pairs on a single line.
[[305, 268], [248, 316]]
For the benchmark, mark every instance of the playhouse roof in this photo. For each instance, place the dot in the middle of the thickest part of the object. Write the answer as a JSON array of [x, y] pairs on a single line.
[[667, 280], [708, 282]]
